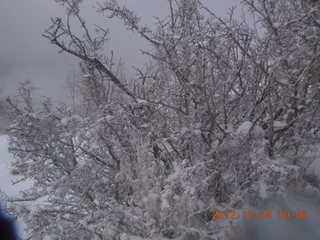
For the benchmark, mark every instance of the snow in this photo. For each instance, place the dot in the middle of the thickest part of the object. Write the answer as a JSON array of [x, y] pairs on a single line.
[[263, 190], [244, 128], [34, 209], [176, 37], [125, 236], [47, 237], [93, 147], [6, 178], [279, 125], [283, 81], [164, 202], [168, 146], [314, 167], [66, 120], [5, 157], [276, 25], [141, 101], [183, 130]]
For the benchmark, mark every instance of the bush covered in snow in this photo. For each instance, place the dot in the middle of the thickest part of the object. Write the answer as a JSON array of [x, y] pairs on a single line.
[[223, 113]]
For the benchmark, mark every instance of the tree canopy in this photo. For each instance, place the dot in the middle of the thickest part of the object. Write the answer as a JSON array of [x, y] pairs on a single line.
[[224, 111]]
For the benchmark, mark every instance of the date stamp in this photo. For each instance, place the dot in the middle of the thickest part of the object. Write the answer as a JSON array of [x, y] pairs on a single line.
[[253, 215]]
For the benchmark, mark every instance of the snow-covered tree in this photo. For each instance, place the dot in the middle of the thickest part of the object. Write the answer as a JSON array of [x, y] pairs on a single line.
[[223, 111]]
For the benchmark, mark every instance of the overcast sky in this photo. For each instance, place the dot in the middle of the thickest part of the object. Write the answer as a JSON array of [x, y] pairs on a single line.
[[25, 54]]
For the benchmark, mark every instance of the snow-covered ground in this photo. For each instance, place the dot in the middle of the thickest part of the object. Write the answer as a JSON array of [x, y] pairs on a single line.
[[315, 165], [6, 178]]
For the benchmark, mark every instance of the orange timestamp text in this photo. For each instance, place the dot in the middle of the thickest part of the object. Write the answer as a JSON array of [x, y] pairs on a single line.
[[250, 214]]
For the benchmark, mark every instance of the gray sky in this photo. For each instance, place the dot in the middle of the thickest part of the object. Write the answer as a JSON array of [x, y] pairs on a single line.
[[25, 54]]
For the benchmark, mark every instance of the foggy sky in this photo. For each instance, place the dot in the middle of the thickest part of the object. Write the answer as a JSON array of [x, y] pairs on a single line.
[[25, 54]]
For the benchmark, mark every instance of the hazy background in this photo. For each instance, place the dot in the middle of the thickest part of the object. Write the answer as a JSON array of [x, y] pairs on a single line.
[[25, 54]]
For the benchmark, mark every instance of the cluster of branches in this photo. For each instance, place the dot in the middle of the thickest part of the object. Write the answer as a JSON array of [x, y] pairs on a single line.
[[204, 124]]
